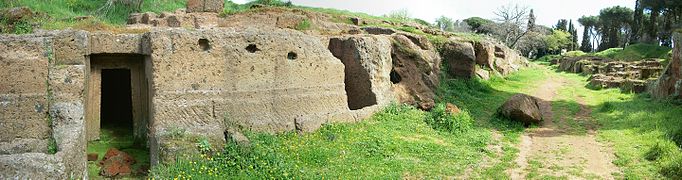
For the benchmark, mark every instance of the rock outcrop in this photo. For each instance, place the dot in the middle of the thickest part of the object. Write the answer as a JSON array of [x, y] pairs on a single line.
[[248, 71], [460, 58], [215, 6], [415, 71], [466, 59], [522, 108], [669, 85]]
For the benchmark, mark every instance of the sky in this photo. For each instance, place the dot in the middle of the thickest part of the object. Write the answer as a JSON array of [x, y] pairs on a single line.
[[547, 12]]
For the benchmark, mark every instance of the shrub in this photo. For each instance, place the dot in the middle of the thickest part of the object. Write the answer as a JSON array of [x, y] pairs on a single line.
[[204, 146], [440, 119], [547, 58], [303, 25], [574, 53], [606, 107]]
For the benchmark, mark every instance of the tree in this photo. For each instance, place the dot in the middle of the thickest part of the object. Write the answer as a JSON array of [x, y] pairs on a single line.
[[531, 21], [444, 23], [637, 22], [461, 26], [477, 24], [586, 45], [562, 25], [655, 7], [574, 36], [558, 40], [401, 15], [511, 19], [591, 24], [615, 23]]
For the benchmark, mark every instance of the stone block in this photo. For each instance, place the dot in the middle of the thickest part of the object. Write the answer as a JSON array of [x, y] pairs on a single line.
[[70, 47]]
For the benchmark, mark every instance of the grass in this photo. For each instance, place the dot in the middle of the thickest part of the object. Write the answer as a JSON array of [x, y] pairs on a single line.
[[394, 143], [636, 52], [61, 14], [640, 130]]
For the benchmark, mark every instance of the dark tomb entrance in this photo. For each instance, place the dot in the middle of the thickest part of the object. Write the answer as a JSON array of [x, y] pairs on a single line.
[[117, 107], [117, 116]]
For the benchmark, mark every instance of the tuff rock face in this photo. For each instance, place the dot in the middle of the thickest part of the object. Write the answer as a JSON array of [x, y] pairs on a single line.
[[482, 59], [669, 85], [248, 71], [415, 71]]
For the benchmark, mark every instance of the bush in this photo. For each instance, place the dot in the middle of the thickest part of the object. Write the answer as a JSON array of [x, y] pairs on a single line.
[[574, 53], [547, 58], [303, 25], [440, 119], [607, 106]]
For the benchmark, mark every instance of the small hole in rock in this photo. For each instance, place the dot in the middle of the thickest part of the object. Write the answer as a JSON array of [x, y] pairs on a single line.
[[252, 48], [292, 55], [203, 43], [395, 77]]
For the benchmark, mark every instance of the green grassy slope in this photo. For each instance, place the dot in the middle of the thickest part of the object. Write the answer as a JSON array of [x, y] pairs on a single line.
[[636, 52]]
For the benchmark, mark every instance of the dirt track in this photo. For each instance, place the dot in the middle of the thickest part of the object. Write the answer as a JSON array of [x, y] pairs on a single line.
[[551, 151]]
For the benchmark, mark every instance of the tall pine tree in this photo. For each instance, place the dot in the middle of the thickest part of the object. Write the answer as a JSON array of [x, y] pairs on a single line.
[[531, 21], [574, 36], [561, 25], [637, 22]]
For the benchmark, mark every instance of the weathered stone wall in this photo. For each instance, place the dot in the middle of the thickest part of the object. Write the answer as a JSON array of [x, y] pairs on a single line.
[[254, 79], [367, 61], [669, 85], [482, 59], [203, 82], [42, 102]]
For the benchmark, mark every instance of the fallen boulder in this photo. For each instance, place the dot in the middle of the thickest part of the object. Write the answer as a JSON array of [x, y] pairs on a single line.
[[522, 108]]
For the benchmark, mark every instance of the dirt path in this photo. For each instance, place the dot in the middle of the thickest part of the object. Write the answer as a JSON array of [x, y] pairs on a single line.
[[549, 151]]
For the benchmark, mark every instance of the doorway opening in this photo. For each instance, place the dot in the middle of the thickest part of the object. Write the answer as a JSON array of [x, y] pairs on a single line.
[[117, 116], [116, 108], [357, 79]]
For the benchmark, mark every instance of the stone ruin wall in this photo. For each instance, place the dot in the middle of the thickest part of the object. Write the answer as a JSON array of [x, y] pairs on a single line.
[[210, 82], [201, 81]]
